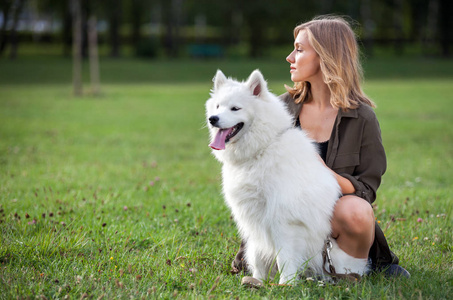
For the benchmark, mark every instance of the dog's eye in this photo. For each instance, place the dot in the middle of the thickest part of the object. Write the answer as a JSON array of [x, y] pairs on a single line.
[[217, 106], [235, 108]]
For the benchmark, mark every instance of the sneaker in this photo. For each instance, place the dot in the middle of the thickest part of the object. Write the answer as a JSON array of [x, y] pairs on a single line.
[[394, 270]]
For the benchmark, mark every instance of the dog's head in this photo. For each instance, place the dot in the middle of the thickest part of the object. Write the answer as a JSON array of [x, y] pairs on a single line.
[[230, 110]]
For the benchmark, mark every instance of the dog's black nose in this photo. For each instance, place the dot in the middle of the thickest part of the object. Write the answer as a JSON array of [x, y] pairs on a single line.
[[213, 120]]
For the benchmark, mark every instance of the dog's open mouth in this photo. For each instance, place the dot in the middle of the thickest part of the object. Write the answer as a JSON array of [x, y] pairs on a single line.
[[224, 135]]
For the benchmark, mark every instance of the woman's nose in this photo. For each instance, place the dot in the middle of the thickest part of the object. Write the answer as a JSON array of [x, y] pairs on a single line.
[[290, 58]]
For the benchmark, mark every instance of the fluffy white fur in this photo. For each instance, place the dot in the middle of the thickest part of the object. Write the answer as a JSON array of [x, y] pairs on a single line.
[[280, 194]]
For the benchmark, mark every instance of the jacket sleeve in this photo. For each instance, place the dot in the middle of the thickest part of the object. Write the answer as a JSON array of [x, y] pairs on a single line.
[[372, 163]]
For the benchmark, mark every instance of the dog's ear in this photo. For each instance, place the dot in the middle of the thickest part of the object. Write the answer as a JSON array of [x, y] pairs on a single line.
[[219, 79], [256, 83]]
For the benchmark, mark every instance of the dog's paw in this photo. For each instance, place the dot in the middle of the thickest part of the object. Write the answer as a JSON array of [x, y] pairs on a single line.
[[281, 284], [252, 282]]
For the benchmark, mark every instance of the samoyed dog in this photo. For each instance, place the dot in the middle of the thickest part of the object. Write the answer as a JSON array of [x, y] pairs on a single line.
[[281, 195]]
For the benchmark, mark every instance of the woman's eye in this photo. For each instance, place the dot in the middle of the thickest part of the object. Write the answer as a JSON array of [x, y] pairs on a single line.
[[235, 108]]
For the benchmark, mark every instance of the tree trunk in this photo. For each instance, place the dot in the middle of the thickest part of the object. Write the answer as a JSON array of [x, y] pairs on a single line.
[[368, 26], [431, 26], [94, 57], [172, 10], [398, 26], [115, 15], [445, 27], [67, 27], [137, 12], [6, 8], [14, 38], [169, 39], [77, 47]]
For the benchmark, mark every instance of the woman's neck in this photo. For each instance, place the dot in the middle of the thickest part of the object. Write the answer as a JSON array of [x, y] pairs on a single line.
[[320, 93]]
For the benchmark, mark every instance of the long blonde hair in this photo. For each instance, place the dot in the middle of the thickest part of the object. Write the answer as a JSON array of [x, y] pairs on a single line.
[[334, 41]]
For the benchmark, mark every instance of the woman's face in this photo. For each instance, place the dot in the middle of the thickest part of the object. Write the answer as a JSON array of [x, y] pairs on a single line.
[[304, 60]]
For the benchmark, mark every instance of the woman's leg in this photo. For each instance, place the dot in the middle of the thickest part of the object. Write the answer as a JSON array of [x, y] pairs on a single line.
[[353, 226]]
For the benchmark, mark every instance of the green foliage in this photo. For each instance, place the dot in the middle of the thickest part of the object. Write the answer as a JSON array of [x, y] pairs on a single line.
[[148, 48], [118, 196]]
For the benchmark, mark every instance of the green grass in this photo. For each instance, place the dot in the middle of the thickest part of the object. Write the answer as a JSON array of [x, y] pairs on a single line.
[[118, 196]]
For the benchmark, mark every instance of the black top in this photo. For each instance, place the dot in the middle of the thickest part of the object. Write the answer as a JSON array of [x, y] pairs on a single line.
[[322, 147]]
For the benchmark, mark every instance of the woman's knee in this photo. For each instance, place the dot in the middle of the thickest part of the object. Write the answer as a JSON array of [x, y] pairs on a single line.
[[354, 216]]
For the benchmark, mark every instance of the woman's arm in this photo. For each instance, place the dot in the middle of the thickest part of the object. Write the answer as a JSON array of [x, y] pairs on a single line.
[[370, 162], [345, 184]]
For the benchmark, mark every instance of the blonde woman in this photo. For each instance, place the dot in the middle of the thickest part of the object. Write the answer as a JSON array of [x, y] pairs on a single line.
[[329, 104]]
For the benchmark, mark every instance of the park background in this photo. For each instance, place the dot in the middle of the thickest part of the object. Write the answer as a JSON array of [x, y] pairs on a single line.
[[109, 190]]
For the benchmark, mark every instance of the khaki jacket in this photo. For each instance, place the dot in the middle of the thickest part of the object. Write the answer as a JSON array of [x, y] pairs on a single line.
[[355, 151], [355, 148]]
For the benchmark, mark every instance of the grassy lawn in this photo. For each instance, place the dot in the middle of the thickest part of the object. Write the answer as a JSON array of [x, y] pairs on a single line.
[[118, 196]]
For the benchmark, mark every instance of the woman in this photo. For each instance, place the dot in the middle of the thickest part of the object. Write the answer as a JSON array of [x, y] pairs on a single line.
[[329, 104]]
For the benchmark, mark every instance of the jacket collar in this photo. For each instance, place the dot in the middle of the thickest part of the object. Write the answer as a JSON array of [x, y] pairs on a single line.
[[351, 113]]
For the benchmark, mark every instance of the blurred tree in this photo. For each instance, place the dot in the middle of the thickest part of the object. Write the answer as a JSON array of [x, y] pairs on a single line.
[[140, 13], [255, 11], [446, 27], [6, 8], [137, 10], [65, 10], [18, 7], [77, 47], [367, 26], [10, 8], [398, 26], [172, 15], [62, 10], [114, 11], [257, 24], [417, 16], [430, 23], [93, 52]]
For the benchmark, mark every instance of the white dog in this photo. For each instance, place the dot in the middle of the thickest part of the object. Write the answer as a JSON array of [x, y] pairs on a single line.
[[281, 195]]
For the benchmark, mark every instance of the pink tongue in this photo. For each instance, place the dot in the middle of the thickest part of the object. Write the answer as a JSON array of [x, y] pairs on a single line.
[[219, 140]]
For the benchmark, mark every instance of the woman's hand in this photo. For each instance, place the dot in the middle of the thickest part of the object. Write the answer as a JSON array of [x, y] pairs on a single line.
[[344, 183]]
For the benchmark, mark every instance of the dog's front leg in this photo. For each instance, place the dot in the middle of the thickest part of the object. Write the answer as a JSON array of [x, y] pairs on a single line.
[[288, 267], [256, 262]]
